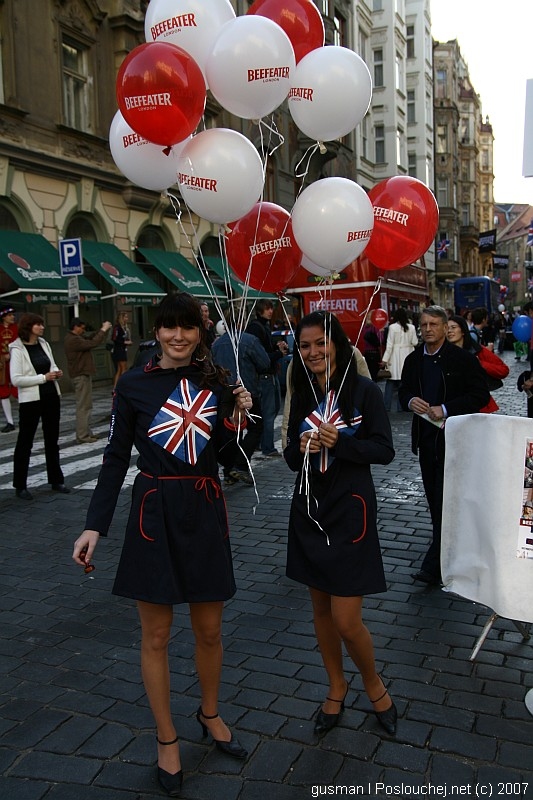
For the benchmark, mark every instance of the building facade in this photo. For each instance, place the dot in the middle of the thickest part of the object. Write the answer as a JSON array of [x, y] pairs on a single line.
[[463, 172], [59, 60], [514, 235]]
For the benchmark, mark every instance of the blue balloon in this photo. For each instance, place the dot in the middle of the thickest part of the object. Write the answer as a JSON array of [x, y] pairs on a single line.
[[522, 327]]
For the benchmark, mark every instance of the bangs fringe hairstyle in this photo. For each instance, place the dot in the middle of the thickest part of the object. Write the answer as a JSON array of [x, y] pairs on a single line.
[[345, 372], [26, 323], [182, 310]]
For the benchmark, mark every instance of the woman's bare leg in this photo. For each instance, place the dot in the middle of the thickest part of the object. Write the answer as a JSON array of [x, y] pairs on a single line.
[[330, 646], [156, 622], [206, 621], [347, 618]]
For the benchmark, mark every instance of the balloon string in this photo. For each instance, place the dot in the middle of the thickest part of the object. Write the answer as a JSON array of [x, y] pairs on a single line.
[[266, 153], [364, 313], [272, 129], [236, 320], [305, 488], [307, 156], [195, 248]]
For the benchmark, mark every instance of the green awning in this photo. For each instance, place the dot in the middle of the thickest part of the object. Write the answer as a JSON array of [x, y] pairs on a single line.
[[125, 278], [215, 263], [32, 263], [180, 272]]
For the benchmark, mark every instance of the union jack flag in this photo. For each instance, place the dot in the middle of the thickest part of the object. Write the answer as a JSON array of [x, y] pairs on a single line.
[[442, 248], [328, 411], [184, 423], [529, 242]]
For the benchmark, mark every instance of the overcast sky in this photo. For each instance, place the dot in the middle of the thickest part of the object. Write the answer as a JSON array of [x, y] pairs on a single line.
[[495, 39]]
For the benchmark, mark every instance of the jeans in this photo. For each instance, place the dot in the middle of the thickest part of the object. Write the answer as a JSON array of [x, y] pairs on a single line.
[[390, 387], [270, 405]]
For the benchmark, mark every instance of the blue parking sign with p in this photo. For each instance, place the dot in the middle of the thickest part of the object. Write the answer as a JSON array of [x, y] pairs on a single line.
[[70, 257]]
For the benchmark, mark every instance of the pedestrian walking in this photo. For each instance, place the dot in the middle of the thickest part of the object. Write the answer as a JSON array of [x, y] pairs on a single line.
[[121, 339], [81, 368], [8, 334], [209, 325], [338, 427], [182, 420], [35, 373], [401, 340], [494, 368]]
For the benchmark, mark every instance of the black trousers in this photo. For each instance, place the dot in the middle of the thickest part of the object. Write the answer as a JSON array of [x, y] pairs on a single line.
[[250, 439], [48, 411], [431, 457]]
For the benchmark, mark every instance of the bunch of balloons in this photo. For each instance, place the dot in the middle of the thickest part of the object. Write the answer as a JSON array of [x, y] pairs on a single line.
[[251, 64]]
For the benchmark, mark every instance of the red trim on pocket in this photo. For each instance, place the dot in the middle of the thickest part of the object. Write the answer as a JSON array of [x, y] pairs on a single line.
[[143, 534], [358, 496], [232, 426]]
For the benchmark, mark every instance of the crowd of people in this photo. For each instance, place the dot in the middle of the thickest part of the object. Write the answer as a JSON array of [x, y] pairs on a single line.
[[200, 402]]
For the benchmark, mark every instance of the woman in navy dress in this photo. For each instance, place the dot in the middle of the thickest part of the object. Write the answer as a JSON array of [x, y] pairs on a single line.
[[183, 420], [338, 427]]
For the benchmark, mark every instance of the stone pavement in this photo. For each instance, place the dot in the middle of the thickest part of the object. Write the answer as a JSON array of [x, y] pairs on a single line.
[[74, 721]]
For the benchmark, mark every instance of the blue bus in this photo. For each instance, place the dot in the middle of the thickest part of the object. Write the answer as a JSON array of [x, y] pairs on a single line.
[[472, 293]]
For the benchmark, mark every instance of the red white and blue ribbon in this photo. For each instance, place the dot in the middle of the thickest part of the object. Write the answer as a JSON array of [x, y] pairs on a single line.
[[328, 412]]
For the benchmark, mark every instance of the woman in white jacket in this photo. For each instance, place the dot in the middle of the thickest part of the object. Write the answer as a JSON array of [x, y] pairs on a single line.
[[35, 373], [401, 340]]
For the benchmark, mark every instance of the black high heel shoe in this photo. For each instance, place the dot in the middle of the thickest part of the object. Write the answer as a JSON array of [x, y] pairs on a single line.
[[171, 782], [388, 718], [232, 748], [325, 722]]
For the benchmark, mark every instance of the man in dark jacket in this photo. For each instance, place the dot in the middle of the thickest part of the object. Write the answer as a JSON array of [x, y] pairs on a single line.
[[268, 380], [253, 360], [439, 380]]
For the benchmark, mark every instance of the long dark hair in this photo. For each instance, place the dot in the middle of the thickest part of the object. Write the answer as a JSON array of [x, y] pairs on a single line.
[[26, 323], [468, 343], [304, 397], [400, 316], [180, 309]]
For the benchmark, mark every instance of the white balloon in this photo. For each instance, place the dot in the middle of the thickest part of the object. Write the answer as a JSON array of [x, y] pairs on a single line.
[[142, 162], [332, 221], [220, 175], [315, 269], [501, 308], [330, 92], [220, 328], [192, 25], [250, 66]]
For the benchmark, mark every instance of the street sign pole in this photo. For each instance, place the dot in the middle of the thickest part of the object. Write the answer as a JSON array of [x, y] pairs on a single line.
[[71, 263], [74, 295]]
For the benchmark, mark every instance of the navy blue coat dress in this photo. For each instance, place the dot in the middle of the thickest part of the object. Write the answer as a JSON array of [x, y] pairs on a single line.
[[176, 547], [333, 541]]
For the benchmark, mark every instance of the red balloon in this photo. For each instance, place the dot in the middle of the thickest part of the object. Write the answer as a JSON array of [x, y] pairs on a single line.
[[161, 92], [262, 242], [300, 19], [406, 218], [379, 318]]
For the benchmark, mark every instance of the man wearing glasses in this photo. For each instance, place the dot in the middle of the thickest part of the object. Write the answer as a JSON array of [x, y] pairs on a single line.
[[81, 368], [439, 380]]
